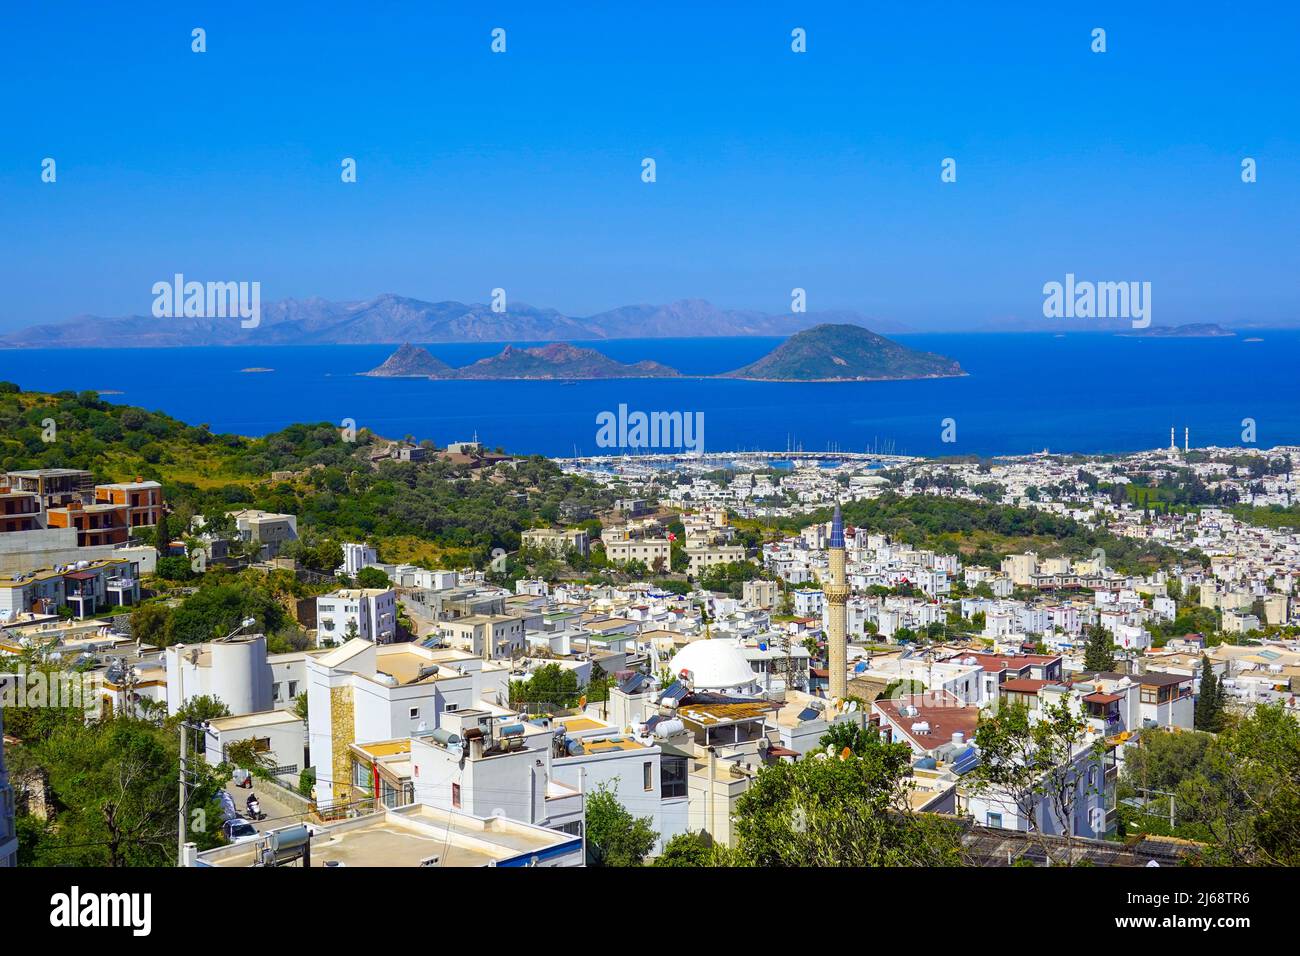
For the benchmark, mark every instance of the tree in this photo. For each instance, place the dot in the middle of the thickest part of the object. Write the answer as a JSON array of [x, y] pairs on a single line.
[[1032, 761], [1008, 769], [848, 734], [174, 569], [1099, 651], [1247, 790], [693, 848], [149, 623], [619, 838], [372, 578], [550, 685], [1209, 703], [827, 811], [114, 784], [597, 688]]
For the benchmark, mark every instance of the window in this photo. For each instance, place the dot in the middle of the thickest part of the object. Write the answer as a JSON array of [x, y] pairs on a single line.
[[449, 706], [672, 777], [455, 795], [995, 820], [275, 691], [293, 688], [647, 776], [415, 713]]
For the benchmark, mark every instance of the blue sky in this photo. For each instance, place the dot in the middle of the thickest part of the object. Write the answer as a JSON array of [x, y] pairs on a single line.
[[775, 169]]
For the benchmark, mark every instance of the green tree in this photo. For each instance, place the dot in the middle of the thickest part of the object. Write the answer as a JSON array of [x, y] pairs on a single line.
[[839, 812], [1099, 651], [848, 734], [372, 578], [693, 848], [618, 838], [1031, 761], [161, 533], [1209, 703], [1247, 790], [114, 783], [550, 685]]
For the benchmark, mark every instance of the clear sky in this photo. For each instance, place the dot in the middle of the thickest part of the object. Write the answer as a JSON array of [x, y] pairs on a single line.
[[775, 169]]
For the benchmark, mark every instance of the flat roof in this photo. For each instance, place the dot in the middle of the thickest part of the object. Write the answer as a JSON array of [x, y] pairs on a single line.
[[264, 718], [385, 748], [580, 723], [408, 836]]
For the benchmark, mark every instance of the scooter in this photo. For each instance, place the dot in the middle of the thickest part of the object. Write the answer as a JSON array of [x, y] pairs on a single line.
[[255, 809]]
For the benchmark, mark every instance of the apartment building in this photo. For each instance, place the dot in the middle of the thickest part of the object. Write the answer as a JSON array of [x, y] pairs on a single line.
[[368, 692], [142, 500], [96, 524], [702, 559], [492, 636], [19, 511], [645, 550], [356, 557], [266, 529], [367, 613], [87, 588], [557, 543], [761, 594], [55, 487]]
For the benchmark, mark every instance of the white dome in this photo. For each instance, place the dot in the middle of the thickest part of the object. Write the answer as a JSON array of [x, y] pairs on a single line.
[[715, 664]]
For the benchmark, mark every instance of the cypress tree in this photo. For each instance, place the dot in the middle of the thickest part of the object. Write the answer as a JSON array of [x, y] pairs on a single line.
[[1209, 704], [1099, 653]]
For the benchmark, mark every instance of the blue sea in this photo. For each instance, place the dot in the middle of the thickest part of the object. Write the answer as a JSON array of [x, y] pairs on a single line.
[[1024, 393]]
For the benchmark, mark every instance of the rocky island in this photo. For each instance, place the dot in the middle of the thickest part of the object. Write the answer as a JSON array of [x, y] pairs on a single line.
[[845, 353], [546, 362]]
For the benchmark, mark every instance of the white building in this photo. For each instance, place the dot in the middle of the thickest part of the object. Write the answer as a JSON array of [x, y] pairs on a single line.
[[235, 671], [367, 613], [356, 557], [366, 692]]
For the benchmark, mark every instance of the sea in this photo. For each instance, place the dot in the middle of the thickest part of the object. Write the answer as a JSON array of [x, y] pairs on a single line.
[[1025, 392]]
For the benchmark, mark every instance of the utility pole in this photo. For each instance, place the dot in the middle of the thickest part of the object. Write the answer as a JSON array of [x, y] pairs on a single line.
[[180, 812]]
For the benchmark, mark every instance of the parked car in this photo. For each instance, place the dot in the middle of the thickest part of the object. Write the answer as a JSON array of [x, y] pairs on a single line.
[[239, 831]]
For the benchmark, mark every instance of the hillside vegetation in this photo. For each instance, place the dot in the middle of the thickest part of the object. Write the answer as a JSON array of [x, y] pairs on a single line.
[[462, 512]]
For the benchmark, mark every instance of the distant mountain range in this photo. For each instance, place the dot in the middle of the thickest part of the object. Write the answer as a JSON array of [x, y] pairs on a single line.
[[826, 353], [1197, 330], [395, 319]]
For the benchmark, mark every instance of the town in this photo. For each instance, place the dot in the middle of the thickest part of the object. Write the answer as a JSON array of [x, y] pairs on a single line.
[[684, 661]]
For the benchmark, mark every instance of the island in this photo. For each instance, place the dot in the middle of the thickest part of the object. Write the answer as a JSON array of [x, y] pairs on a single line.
[[1196, 330], [412, 361], [845, 353], [546, 362]]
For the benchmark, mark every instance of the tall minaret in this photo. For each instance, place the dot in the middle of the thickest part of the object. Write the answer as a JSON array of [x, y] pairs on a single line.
[[837, 592]]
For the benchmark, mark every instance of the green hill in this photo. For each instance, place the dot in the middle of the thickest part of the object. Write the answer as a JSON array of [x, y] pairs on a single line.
[[439, 510], [845, 353]]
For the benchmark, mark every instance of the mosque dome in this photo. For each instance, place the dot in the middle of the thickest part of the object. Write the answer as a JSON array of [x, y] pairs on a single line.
[[715, 664]]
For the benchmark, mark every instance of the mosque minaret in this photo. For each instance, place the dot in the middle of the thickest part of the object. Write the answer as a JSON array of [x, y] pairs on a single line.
[[836, 590]]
